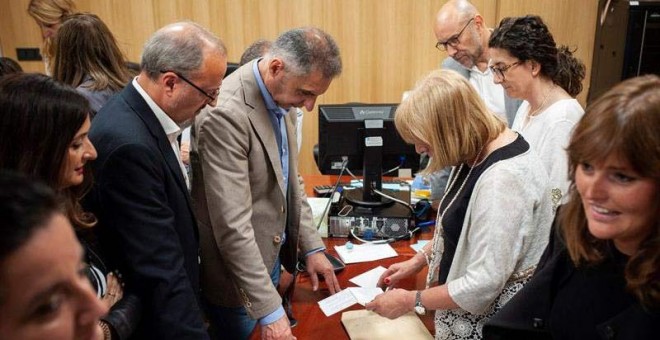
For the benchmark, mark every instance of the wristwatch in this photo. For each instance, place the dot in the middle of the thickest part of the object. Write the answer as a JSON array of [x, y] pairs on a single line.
[[419, 307]]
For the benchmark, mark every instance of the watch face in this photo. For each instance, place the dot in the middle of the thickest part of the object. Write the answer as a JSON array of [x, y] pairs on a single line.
[[420, 310]]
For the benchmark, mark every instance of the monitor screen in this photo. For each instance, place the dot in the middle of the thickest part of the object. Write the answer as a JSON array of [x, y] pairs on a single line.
[[342, 132]]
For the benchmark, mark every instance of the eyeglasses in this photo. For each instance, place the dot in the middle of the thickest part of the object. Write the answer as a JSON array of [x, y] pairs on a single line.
[[499, 71], [453, 41], [211, 96]]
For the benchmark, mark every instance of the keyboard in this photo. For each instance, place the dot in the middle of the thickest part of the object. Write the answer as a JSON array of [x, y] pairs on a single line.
[[323, 190]]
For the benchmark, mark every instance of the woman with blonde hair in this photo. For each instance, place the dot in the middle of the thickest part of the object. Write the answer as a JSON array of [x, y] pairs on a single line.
[[493, 220], [87, 57], [49, 15], [599, 278]]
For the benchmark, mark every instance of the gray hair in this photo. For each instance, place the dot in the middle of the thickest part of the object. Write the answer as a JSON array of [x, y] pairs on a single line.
[[254, 51], [179, 47], [306, 49]]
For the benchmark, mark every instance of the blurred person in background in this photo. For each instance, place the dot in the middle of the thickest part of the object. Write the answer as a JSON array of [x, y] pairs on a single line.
[[49, 15], [87, 57]]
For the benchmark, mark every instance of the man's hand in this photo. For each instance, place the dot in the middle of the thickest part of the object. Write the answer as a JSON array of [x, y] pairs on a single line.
[[316, 264], [278, 330]]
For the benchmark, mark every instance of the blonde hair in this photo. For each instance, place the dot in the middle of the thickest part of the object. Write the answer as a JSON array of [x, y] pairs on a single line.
[[445, 112], [48, 13]]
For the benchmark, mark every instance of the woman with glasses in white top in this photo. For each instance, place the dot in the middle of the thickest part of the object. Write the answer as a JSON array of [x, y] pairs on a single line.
[[530, 66]]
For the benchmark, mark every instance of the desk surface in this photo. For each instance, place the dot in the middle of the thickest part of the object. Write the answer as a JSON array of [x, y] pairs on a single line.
[[312, 323]]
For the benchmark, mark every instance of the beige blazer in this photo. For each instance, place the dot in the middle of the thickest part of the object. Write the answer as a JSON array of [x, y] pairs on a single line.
[[239, 198]]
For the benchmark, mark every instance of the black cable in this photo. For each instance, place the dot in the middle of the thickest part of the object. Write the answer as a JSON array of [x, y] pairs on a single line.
[[332, 193]]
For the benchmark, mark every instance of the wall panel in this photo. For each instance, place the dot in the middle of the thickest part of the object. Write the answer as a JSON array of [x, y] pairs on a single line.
[[386, 44]]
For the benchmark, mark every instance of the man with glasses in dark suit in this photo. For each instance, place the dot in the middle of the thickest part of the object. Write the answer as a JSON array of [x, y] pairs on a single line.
[[141, 195]]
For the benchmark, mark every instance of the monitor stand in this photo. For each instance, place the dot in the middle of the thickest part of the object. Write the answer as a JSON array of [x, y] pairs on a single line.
[[357, 196], [372, 166]]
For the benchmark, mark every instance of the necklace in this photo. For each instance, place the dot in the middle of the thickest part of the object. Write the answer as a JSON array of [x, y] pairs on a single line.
[[436, 249], [545, 99]]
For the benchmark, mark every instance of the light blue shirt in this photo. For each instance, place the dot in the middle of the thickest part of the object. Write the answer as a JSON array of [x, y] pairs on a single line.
[[276, 114]]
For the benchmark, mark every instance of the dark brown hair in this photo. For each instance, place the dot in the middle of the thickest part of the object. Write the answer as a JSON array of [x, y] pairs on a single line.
[[623, 122], [528, 38], [39, 118]]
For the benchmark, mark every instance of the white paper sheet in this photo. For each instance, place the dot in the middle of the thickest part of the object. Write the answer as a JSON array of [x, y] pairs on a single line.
[[318, 205], [369, 279], [348, 297], [365, 252], [365, 295], [337, 302], [419, 245]]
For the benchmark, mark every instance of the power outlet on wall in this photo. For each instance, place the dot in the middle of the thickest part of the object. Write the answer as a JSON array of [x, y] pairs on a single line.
[[28, 54]]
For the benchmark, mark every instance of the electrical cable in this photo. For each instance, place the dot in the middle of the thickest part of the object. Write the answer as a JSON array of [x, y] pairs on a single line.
[[395, 200], [334, 189], [402, 161], [354, 177], [407, 235]]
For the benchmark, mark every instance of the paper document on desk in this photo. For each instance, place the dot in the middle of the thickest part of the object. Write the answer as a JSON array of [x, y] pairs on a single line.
[[419, 245], [369, 279], [348, 297], [399, 186], [365, 252], [364, 324], [365, 295]]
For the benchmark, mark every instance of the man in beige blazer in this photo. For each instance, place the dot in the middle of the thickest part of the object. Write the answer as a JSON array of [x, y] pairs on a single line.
[[252, 210]]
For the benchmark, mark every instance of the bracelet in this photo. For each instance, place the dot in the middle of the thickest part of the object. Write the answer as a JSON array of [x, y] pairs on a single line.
[[107, 335]]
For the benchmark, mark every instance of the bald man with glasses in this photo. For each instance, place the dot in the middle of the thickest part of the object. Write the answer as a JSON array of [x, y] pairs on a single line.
[[461, 32]]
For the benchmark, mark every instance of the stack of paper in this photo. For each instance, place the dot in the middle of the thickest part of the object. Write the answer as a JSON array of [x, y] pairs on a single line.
[[365, 252]]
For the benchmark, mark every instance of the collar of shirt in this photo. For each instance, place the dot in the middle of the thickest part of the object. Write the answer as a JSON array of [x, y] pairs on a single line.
[[476, 70], [268, 99], [172, 129]]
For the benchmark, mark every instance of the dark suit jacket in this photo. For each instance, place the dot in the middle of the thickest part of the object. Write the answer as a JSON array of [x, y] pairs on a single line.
[[146, 223], [526, 315], [241, 201]]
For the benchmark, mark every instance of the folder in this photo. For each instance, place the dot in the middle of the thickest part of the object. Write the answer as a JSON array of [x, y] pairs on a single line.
[[367, 325]]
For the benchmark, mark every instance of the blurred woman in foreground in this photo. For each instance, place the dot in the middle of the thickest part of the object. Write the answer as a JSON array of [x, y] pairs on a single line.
[[43, 291]]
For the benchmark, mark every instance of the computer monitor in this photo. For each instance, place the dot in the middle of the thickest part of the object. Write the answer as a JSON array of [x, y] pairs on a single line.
[[347, 130]]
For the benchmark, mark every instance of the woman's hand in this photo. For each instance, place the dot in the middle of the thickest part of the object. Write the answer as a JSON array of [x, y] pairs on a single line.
[[115, 291], [393, 303], [401, 270]]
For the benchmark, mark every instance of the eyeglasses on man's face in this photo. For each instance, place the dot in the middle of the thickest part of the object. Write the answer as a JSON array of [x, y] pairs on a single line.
[[211, 96], [500, 70], [453, 41]]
